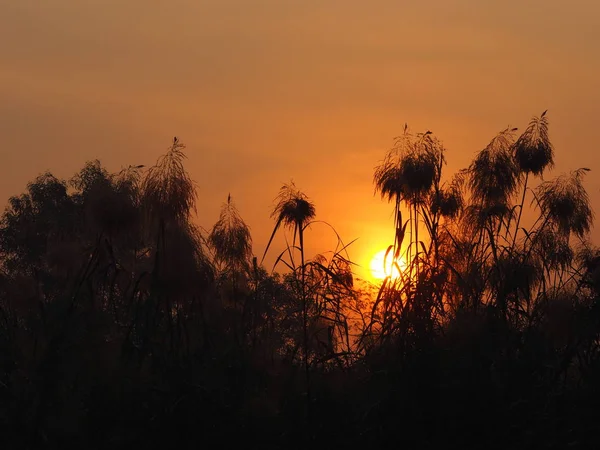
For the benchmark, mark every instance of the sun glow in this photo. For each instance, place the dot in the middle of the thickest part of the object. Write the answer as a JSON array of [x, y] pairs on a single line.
[[382, 267]]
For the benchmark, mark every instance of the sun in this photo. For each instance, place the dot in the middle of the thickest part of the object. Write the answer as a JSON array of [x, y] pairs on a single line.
[[382, 267]]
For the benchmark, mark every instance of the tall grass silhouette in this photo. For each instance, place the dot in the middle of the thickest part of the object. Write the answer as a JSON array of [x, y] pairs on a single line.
[[123, 323]]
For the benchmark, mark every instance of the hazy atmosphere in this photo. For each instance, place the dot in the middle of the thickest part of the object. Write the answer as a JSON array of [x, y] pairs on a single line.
[[262, 92], [299, 224]]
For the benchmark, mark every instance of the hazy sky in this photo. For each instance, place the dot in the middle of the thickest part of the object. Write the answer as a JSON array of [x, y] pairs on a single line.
[[264, 91]]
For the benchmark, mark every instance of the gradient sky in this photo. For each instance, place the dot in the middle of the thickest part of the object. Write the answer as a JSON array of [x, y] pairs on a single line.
[[264, 91]]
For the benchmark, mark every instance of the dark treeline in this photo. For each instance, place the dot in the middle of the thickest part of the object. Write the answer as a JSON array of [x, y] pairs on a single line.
[[125, 325]]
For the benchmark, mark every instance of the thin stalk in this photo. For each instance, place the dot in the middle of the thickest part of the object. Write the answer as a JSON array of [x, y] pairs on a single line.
[[410, 244], [304, 319], [416, 239], [520, 210]]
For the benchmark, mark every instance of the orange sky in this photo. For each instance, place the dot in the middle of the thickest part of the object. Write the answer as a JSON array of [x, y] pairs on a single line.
[[264, 91]]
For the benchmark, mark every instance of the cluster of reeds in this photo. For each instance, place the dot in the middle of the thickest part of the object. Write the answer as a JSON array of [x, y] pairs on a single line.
[[480, 255], [124, 323]]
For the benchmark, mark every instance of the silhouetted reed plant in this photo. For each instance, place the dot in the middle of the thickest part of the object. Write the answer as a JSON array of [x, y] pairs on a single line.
[[123, 323]]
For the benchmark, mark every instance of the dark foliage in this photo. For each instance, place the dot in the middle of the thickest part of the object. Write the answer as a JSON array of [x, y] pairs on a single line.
[[123, 325]]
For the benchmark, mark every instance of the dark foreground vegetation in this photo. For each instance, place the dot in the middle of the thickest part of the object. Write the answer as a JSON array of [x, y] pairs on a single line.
[[124, 325]]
